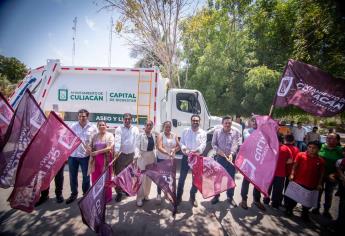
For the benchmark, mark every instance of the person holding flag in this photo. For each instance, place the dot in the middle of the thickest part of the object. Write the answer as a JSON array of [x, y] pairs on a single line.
[[102, 144], [125, 147], [84, 130], [167, 145], [146, 146], [193, 140], [245, 182], [225, 142]]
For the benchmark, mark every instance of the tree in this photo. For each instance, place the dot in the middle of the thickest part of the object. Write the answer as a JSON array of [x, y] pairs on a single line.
[[12, 69], [151, 27], [260, 86], [217, 56]]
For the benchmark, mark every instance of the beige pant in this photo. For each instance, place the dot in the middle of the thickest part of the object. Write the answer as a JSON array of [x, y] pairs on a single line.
[[145, 159]]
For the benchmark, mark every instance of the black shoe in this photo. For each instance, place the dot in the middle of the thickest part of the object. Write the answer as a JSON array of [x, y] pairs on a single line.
[[288, 212], [41, 201], [215, 200], [316, 211], [232, 202], [305, 218], [266, 201], [71, 199], [59, 199], [327, 215], [118, 197], [193, 202], [260, 206]]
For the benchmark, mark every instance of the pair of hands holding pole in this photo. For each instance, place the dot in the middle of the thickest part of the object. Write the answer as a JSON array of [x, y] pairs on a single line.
[[229, 157]]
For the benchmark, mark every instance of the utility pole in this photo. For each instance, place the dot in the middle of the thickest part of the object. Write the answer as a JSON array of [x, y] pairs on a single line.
[[74, 28], [110, 40]]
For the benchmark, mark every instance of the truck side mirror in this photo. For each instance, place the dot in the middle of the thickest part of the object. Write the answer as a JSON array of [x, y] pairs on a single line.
[[174, 122]]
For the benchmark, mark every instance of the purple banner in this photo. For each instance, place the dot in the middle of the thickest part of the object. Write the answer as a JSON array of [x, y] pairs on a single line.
[[209, 176], [92, 205], [41, 161], [258, 156], [129, 179], [6, 114], [164, 175], [25, 123], [310, 89]]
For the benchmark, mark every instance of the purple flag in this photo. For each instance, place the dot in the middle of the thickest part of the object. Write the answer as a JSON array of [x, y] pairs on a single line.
[[129, 179], [258, 156], [209, 176], [41, 161], [164, 175], [92, 205], [310, 89], [6, 114], [25, 123]]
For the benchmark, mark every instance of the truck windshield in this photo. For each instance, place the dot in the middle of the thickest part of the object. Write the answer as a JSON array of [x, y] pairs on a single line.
[[187, 102]]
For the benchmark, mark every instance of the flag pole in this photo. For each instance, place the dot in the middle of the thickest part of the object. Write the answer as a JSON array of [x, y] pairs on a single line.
[[271, 111]]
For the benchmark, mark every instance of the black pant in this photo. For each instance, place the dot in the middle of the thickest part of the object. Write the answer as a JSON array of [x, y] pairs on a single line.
[[183, 174], [58, 184], [290, 204], [244, 191], [121, 163], [277, 187], [341, 210]]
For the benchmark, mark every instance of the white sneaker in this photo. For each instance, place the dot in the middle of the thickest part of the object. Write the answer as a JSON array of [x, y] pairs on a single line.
[[139, 203], [159, 198]]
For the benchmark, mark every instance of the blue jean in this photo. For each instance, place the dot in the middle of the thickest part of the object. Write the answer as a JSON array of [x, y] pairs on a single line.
[[301, 146], [182, 179], [73, 165], [231, 171]]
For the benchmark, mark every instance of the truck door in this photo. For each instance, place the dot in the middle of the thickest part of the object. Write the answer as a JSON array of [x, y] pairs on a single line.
[[184, 105]]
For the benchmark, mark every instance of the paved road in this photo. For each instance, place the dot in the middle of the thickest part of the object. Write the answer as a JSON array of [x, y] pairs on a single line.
[[126, 218]]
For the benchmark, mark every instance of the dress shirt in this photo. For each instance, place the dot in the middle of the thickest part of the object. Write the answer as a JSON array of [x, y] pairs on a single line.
[[85, 134], [194, 141], [125, 139], [226, 141], [299, 133]]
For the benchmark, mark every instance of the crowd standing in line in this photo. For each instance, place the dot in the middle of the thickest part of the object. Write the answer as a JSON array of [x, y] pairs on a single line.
[[301, 159]]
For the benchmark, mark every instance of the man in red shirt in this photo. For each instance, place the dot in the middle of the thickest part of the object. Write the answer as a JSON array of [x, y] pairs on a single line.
[[284, 158], [307, 171]]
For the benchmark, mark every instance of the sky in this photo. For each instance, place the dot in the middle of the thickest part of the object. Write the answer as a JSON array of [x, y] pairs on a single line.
[[36, 30]]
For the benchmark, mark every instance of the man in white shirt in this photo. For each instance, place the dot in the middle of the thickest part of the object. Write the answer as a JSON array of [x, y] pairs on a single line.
[[299, 133], [84, 130], [125, 147], [193, 139]]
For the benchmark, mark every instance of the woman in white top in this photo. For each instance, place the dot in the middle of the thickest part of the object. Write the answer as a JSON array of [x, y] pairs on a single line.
[[146, 146], [167, 145]]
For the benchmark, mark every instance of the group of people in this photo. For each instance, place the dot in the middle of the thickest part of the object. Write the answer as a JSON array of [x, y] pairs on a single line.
[[319, 167]]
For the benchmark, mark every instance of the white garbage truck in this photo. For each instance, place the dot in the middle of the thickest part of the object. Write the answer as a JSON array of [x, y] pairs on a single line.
[[108, 93]]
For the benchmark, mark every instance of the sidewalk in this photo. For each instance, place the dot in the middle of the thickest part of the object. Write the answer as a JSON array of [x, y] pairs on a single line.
[[126, 218]]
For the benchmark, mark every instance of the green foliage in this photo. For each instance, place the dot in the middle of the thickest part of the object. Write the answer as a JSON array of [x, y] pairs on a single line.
[[260, 85], [12, 68], [235, 51]]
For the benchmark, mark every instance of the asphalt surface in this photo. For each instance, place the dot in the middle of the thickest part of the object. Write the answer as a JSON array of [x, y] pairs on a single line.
[[153, 218]]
